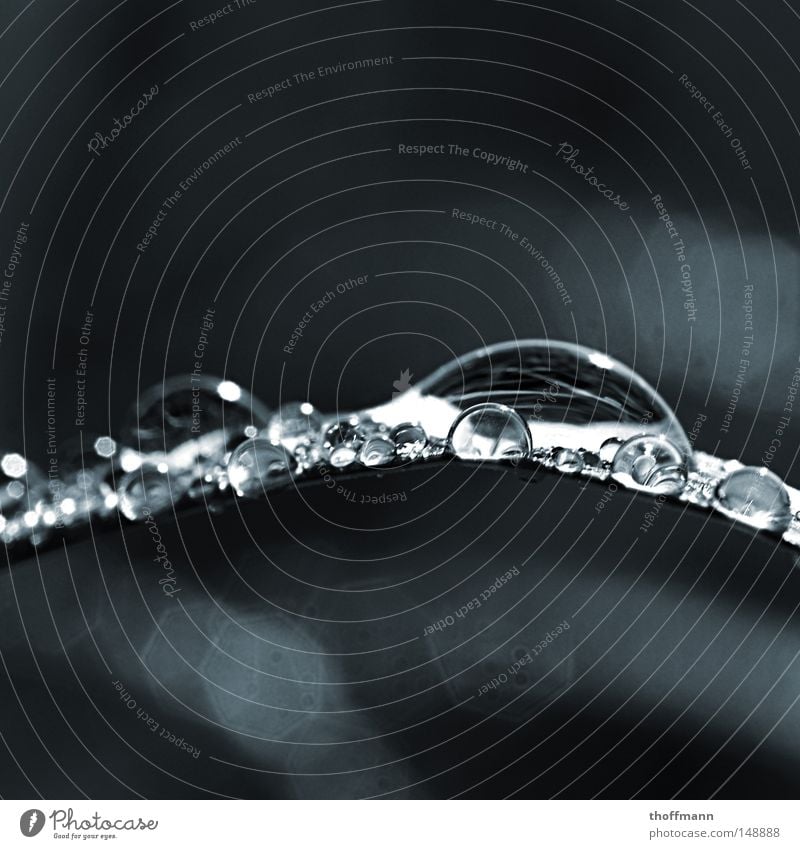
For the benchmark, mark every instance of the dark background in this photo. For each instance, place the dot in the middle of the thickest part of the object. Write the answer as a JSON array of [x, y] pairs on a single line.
[[295, 659]]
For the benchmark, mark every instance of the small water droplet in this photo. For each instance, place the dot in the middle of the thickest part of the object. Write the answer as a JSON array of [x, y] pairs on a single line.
[[608, 450], [490, 432], [343, 441], [567, 461], [377, 451], [651, 462], [409, 439], [258, 465], [756, 496]]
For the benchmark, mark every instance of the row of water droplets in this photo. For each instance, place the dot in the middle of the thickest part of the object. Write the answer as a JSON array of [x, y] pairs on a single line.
[[557, 405]]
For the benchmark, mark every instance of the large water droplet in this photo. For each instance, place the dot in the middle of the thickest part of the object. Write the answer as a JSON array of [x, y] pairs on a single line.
[[258, 465], [193, 407], [490, 432], [757, 497], [651, 462], [569, 396]]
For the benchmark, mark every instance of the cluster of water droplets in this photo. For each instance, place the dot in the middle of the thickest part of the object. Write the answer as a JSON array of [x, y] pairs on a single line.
[[559, 406]]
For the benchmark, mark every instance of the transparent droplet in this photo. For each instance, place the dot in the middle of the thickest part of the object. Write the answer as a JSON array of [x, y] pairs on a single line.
[[147, 490], [294, 423], [608, 450], [343, 441], [409, 440], [651, 462], [259, 465], [190, 407], [755, 496], [567, 395], [377, 451], [490, 432], [567, 461]]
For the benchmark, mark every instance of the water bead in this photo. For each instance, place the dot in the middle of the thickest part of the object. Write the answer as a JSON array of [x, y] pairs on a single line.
[[755, 496], [343, 441], [147, 490], [259, 465], [608, 450], [188, 407], [651, 462], [568, 395], [377, 451], [490, 432], [294, 423], [409, 440], [567, 461]]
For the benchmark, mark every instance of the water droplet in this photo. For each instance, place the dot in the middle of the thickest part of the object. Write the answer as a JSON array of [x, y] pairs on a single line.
[[377, 451], [343, 441], [190, 407], [566, 394], [409, 440], [147, 490], [567, 461], [608, 450], [490, 432], [651, 462], [755, 496], [294, 423], [258, 465]]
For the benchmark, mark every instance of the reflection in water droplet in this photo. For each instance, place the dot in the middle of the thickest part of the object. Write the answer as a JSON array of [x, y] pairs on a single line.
[[190, 407], [652, 462], [343, 441], [490, 432], [756, 496], [145, 490], [567, 461], [608, 450], [377, 451], [294, 423], [258, 465], [409, 439], [568, 395]]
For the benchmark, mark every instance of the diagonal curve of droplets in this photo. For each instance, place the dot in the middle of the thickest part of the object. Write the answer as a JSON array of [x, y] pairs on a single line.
[[554, 405]]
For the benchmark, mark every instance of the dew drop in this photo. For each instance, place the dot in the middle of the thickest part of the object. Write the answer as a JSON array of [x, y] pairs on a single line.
[[567, 461], [259, 465], [755, 496], [651, 462], [343, 441], [490, 432], [377, 451], [409, 439], [147, 490]]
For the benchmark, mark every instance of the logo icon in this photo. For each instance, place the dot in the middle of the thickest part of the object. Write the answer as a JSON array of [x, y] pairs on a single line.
[[31, 822], [403, 383]]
